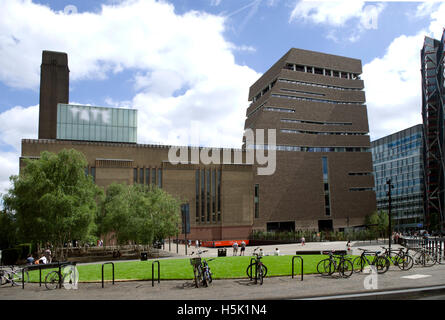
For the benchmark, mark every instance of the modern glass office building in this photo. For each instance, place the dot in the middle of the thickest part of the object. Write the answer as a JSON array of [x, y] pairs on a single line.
[[79, 122], [399, 157]]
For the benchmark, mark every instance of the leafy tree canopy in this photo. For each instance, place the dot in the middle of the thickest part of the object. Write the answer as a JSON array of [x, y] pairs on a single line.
[[138, 213], [53, 199]]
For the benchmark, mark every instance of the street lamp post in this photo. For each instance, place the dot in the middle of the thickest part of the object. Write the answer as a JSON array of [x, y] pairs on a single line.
[[390, 186]]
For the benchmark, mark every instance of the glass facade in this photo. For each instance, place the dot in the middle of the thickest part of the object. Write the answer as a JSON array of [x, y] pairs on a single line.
[[399, 157], [76, 122]]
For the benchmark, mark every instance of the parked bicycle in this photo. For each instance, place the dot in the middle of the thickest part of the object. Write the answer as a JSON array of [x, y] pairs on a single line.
[[260, 268], [336, 263], [399, 258], [421, 256], [371, 258], [66, 275], [13, 275], [202, 273]]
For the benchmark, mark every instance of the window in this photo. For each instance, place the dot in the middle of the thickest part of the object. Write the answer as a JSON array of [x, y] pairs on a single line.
[[327, 202], [202, 195], [147, 176], [141, 175], [219, 195], [135, 175], [153, 176], [160, 178], [257, 201], [93, 173], [213, 195], [197, 195], [208, 193]]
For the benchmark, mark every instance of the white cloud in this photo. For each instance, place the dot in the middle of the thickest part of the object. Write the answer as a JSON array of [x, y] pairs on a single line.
[[393, 82], [337, 13], [392, 85], [184, 68]]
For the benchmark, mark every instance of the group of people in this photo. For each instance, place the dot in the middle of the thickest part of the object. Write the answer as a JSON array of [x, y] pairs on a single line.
[[44, 258], [235, 248]]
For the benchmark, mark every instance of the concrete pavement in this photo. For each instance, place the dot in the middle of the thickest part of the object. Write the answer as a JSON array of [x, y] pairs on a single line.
[[241, 289]]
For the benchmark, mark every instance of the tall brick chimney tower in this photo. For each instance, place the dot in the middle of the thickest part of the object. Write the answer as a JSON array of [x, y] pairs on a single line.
[[54, 89]]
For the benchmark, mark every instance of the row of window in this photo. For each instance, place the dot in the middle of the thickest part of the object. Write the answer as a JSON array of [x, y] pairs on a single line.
[[148, 176], [404, 191], [324, 133], [407, 154], [361, 189], [318, 85], [322, 71], [360, 173], [315, 100], [207, 195], [303, 92], [316, 122], [309, 149]]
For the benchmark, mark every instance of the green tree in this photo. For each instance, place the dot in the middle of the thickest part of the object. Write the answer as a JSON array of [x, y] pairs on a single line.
[[379, 222], [8, 230], [139, 214], [53, 200]]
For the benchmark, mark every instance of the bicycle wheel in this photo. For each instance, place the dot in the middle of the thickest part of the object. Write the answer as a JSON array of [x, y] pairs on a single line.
[[260, 275], [345, 268], [323, 267], [52, 280], [358, 264], [209, 276], [382, 264], [196, 276], [404, 262], [252, 266], [429, 260], [16, 277]]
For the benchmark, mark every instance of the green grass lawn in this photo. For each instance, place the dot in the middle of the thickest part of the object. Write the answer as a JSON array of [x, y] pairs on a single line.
[[172, 269]]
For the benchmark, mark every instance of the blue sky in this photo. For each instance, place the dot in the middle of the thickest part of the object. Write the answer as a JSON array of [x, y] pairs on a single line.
[[186, 62]]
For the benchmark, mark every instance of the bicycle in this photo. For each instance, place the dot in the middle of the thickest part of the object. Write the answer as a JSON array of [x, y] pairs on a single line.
[[54, 278], [13, 275], [422, 257], [260, 268], [336, 263], [401, 259], [201, 270], [380, 262]]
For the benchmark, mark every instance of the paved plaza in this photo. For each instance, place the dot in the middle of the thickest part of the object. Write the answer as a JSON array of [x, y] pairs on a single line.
[[240, 289]]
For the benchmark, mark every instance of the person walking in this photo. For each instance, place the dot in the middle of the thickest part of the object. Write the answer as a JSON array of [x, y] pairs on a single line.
[[302, 241]]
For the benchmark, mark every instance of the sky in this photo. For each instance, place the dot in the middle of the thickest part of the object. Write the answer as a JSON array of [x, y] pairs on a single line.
[[189, 63]]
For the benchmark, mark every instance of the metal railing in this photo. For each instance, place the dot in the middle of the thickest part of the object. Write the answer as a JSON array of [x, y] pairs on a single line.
[[45, 266]]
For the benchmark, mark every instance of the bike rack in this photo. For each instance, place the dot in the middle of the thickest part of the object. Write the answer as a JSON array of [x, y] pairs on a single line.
[[46, 266], [251, 270], [112, 264], [293, 266], [153, 273]]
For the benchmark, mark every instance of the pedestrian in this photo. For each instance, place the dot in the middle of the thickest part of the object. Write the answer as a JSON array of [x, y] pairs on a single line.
[[277, 252], [348, 246], [235, 248], [30, 259], [197, 244], [243, 248], [302, 241]]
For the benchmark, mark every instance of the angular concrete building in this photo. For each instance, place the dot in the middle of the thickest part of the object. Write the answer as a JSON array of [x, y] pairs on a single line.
[[323, 178]]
